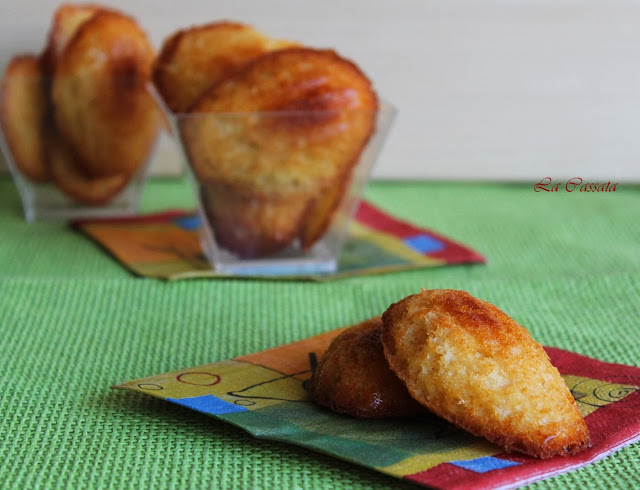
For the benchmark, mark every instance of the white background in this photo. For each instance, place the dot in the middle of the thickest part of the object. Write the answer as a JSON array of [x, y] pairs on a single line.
[[491, 90]]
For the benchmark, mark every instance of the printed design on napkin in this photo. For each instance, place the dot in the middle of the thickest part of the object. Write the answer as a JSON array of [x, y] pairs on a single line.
[[167, 246], [264, 393]]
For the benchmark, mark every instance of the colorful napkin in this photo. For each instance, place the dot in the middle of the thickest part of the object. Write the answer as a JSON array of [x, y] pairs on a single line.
[[167, 246], [264, 394]]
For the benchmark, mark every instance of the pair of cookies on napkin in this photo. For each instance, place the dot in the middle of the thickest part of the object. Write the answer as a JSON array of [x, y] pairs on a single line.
[[272, 131], [80, 114], [461, 358]]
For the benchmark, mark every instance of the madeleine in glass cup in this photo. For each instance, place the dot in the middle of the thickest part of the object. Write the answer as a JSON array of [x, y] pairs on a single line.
[[280, 152], [78, 122]]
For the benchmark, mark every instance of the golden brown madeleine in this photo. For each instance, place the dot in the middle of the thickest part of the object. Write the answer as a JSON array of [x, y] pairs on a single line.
[[252, 226], [353, 377], [23, 107], [473, 365], [67, 19], [70, 179], [322, 210], [102, 108], [193, 60], [291, 121]]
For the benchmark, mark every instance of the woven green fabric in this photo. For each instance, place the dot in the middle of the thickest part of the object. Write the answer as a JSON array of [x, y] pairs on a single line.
[[73, 322]]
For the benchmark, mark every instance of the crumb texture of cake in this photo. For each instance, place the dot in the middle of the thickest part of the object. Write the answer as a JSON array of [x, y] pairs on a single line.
[[353, 377], [470, 363]]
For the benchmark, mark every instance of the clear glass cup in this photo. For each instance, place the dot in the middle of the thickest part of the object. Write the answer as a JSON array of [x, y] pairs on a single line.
[[277, 190], [45, 201], [57, 199]]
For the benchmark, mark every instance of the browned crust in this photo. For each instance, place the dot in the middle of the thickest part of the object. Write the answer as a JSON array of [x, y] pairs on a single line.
[[249, 226], [67, 19], [183, 70], [70, 179], [169, 48], [159, 70], [275, 63], [322, 211], [353, 377], [291, 122], [308, 114], [23, 107], [102, 108], [470, 363]]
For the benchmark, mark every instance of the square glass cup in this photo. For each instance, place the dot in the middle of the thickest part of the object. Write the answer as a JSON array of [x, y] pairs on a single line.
[[277, 191], [44, 199]]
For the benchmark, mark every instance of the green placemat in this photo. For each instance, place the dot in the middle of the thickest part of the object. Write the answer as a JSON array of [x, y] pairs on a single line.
[[73, 322]]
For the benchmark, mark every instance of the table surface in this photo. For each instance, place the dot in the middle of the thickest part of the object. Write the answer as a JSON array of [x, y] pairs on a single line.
[[73, 322]]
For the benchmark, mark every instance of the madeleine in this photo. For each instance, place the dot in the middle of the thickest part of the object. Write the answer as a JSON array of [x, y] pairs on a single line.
[[470, 363]]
